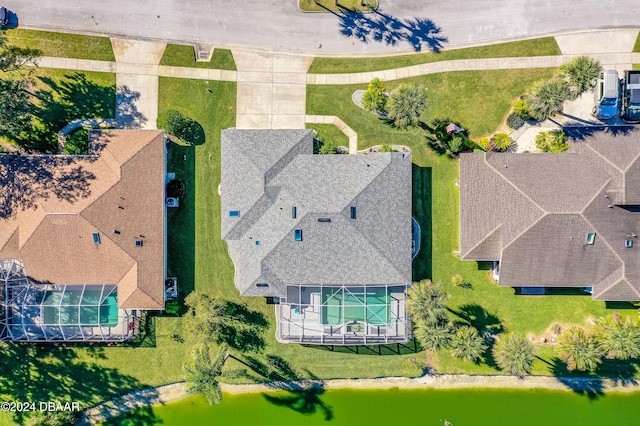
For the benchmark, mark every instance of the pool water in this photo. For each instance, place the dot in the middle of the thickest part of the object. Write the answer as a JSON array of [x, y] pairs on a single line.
[[475, 407]]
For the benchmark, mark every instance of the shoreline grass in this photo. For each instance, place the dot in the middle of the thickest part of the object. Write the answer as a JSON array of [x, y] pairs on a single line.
[[535, 47], [334, 6]]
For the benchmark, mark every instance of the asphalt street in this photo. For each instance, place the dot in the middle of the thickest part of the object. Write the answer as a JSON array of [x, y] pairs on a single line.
[[398, 25]]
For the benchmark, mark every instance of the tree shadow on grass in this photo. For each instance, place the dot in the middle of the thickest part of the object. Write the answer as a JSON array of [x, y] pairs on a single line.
[[31, 372], [422, 212], [242, 328], [60, 102], [478, 317]]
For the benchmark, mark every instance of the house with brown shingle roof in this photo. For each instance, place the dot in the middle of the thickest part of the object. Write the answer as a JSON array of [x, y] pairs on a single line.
[[557, 220], [83, 238]]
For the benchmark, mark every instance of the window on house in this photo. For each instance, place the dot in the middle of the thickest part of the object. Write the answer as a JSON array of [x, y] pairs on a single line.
[[297, 234], [353, 212], [591, 238], [96, 238], [234, 213]]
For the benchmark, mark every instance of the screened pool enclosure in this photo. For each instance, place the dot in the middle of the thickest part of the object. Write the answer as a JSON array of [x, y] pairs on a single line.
[[37, 312], [343, 315]]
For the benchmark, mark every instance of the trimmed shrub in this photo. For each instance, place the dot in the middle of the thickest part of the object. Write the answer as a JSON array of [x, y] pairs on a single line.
[[385, 148], [514, 120], [522, 109], [502, 141], [176, 189], [483, 143], [172, 307], [552, 141]]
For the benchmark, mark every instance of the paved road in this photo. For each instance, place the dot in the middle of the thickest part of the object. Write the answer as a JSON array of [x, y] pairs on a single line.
[[278, 24]]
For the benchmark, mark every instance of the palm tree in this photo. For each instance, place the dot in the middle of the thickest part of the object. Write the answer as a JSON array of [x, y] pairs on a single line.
[[580, 350], [433, 337], [406, 105], [202, 376], [581, 71], [426, 303], [375, 98], [514, 354], [467, 344], [546, 97], [619, 338]]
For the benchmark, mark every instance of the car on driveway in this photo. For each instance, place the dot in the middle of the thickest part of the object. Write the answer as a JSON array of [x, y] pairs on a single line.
[[631, 97], [607, 93], [4, 16]]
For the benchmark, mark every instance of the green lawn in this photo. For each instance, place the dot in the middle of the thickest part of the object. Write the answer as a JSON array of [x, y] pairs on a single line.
[[63, 45], [636, 47], [330, 5], [329, 132], [536, 47], [436, 205], [180, 55]]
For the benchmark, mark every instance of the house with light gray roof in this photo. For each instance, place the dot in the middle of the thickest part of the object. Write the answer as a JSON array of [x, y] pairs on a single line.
[[327, 236], [557, 220]]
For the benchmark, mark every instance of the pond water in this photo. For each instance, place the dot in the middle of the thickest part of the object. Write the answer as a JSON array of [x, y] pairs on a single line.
[[468, 407]]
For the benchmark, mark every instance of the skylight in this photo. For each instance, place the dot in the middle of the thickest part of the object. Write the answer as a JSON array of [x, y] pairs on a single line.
[[234, 213], [324, 219], [353, 212], [294, 212], [138, 243], [591, 238], [96, 238], [262, 285], [297, 234], [628, 243], [257, 242]]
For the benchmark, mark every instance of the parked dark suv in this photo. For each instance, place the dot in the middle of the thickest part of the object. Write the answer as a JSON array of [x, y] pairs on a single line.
[[4, 16]]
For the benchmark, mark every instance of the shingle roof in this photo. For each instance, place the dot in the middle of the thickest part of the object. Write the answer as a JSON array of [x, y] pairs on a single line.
[[594, 188], [374, 248], [69, 198]]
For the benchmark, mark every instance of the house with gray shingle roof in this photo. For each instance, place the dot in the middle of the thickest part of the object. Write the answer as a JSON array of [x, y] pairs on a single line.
[[327, 236], [557, 220]]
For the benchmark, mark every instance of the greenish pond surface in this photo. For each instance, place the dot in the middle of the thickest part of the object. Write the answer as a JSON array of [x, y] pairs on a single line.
[[475, 407]]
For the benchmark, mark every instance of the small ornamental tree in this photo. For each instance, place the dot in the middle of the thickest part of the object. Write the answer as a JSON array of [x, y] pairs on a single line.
[[513, 354], [375, 98], [502, 141], [467, 344], [580, 350], [580, 72], [406, 105], [545, 98], [433, 337], [426, 303], [552, 141], [521, 108]]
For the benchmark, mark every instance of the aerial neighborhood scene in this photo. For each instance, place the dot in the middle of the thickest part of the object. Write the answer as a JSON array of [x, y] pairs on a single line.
[[319, 212]]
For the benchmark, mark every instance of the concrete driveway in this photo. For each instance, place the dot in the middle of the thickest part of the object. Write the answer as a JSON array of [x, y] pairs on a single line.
[[400, 25]]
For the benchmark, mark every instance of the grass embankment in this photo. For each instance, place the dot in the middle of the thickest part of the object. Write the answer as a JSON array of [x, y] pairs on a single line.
[[478, 99], [180, 55], [536, 47], [329, 132], [343, 6], [636, 46], [63, 45]]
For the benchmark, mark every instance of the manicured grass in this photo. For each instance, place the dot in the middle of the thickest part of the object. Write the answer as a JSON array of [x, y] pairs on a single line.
[[330, 5], [180, 55], [536, 47], [210, 265], [63, 45], [436, 207], [636, 47], [477, 99], [329, 132]]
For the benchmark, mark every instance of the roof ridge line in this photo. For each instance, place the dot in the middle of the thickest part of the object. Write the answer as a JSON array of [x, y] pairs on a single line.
[[512, 184], [604, 158], [371, 182], [592, 199], [482, 240], [545, 214]]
